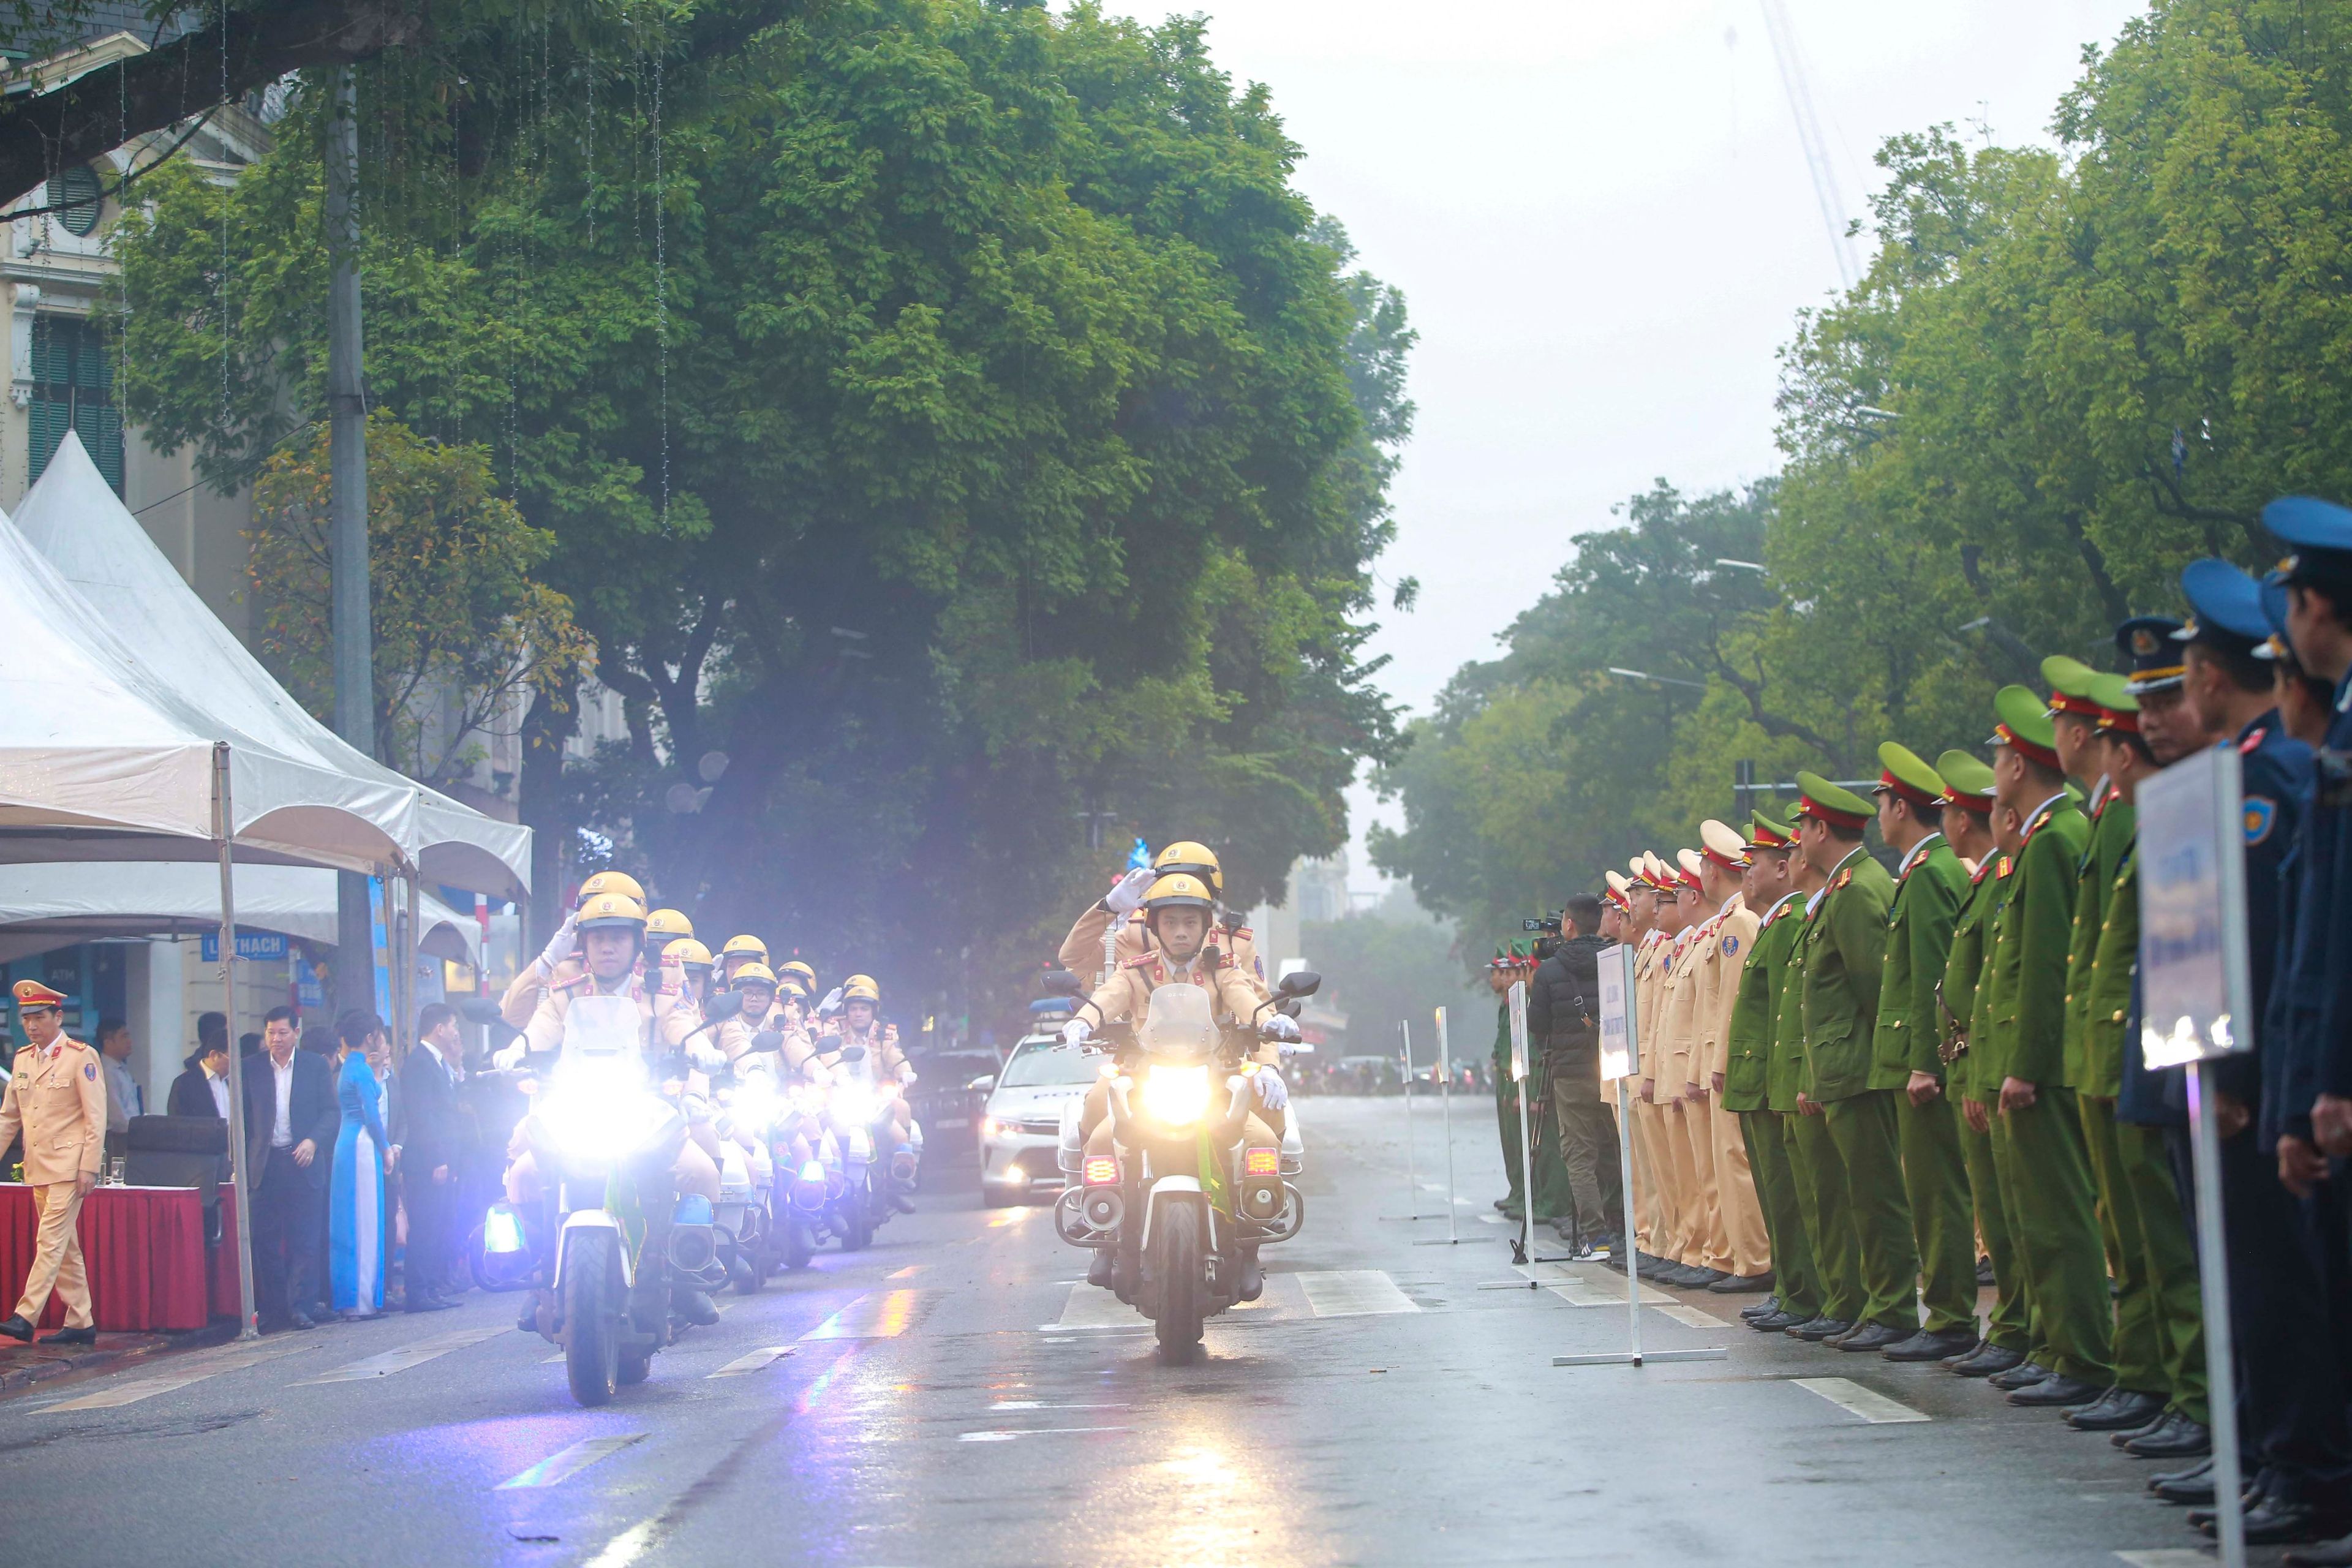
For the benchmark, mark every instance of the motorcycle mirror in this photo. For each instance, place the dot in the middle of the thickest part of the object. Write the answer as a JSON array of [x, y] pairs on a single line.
[[853, 1053], [480, 1010], [1300, 983], [1062, 982], [768, 1040], [719, 1008], [1290, 1008]]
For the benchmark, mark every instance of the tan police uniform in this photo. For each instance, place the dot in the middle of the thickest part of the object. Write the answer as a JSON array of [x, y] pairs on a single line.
[[57, 1101], [1722, 956], [1661, 1202], [1687, 1146], [1082, 948]]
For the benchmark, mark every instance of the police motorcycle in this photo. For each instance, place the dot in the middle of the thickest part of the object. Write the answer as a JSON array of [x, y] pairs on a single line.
[[1182, 1200], [606, 1137], [749, 1248]]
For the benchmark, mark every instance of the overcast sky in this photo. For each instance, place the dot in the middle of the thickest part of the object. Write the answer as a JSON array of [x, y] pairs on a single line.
[[1602, 221]]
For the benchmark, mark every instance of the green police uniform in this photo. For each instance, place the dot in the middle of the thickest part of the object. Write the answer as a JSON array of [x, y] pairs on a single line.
[[1812, 1157], [2050, 1171], [2138, 1338], [1747, 1090], [1982, 1084], [1845, 954], [1928, 893]]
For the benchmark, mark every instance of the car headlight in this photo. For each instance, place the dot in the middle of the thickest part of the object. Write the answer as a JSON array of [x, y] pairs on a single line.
[[1176, 1097]]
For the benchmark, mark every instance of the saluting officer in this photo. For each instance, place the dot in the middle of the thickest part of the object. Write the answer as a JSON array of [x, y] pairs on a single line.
[[1929, 888], [2050, 1170], [57, 1101]]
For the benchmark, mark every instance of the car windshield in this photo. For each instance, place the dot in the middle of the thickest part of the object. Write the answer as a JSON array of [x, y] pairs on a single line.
[[1044, 1062]]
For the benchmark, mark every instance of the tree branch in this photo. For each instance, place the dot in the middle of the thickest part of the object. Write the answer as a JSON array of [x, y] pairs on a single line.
[[1770, 723], [100, 111], [2111, 598]]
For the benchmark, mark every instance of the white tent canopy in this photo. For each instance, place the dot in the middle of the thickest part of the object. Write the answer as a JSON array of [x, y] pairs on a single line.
[[101, 760], [73, 520], [42, 907]]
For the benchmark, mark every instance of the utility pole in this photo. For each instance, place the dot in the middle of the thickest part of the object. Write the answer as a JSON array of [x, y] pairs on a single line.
[[354, 640]]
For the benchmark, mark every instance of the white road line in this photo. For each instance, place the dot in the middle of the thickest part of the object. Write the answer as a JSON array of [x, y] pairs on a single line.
[[2169, 1557], [1589, 1285], [625, 1548], [1353, 1293], [565, 1463], [1006, 1434], [1092, 1307], [910, 1271], [1432, 1186], [766, 1356], [400, 1360], [1497, 1220], [1049, 1405], [1851, 1397], [192, 1371], [1690, 1317], [878, 1315]]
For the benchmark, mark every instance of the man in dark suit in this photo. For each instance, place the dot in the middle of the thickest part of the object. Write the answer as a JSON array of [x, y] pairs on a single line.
[[430, 1149], [203, 1089], [290, 1121]]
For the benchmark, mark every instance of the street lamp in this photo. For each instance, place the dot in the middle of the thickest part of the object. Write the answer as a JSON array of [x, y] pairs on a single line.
[[1661, 679], [1754, 566]]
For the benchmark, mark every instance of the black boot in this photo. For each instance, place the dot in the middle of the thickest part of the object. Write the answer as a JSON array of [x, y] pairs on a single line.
[[1252, 1278], [693, 1305], [1099, 1267]]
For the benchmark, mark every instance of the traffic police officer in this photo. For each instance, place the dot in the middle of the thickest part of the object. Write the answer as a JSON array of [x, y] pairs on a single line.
[[57, 1099]]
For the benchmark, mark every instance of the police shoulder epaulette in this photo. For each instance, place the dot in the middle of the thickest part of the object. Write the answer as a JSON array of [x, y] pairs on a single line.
[[2253, 742], [1143, 961], [1842, 878]]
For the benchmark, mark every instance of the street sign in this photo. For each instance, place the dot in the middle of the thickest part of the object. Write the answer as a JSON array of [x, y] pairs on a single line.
[[2195, 985], [252, 946], [1621, 1050], [1518, 1031]]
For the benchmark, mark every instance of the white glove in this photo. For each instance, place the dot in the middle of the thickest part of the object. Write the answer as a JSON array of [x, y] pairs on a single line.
[[1281, 1026], [510, 1057], [905, 1077], [1272, 1092], [560, 946], [1126, 895], [1074, 1033], [831, 1005]]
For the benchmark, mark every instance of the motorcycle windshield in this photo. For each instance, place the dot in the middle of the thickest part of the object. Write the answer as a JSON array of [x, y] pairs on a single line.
[[1179, 1023], [602, 1027]]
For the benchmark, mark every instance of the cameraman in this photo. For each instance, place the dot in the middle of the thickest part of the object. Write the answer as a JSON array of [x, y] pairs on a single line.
[[1564, 1027]]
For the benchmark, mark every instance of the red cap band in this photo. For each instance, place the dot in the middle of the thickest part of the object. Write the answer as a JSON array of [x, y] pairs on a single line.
[[1979, 804], [2028, 750], [2080, 707], [1919, 799], [1808, 806], [2111, 718], [1725, 861]]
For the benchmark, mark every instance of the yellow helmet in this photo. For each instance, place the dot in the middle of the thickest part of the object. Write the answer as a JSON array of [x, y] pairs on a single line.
[[754, 972], [607, 910], [736, 946], [857, 988], [862, 979], [794, 966], [788, 986], [605, 882], [1192, 859], [689, 954], [669, 923], [1178, 890]]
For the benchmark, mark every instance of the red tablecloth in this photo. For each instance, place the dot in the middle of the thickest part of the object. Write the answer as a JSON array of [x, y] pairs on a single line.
[[144, 1250]]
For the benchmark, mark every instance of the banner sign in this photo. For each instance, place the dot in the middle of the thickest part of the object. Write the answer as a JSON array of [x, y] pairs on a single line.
[[1518, 1031], [2195, 985], [252, 946], [1621, 1050]]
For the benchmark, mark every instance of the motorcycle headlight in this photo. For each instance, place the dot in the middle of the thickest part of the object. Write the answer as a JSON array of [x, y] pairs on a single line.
[[602, 1110], [756, 1107], [854, 1105], [1176, 1097]]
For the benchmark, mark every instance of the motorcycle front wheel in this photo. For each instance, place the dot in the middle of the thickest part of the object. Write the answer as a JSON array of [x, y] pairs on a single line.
[[1177, 1261], [591, 1317]]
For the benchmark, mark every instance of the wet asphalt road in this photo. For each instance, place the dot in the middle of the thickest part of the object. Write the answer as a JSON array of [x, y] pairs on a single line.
[[956, 1396]]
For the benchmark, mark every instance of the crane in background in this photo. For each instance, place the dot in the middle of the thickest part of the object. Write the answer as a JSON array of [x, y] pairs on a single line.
[[1793, 79]]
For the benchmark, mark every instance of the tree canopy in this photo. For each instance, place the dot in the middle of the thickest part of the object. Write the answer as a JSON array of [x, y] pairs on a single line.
[[949, 420]]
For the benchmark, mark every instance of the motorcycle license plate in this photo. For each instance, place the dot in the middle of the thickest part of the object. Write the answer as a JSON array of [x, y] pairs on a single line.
[[958, 1122]]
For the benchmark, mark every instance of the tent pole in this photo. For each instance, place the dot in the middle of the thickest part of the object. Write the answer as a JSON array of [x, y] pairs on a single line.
[[242, 1188], [407, 1035]]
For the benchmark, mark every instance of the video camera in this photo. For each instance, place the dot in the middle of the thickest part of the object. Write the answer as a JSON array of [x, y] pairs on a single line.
[[1547, 923]]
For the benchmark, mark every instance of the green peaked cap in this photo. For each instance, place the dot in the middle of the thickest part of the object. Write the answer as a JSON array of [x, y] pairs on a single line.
[[1819, 791], [2113, 692], [1763, 833], [1905, 767], [2026, 724], [2070, 677], [1964, 774]]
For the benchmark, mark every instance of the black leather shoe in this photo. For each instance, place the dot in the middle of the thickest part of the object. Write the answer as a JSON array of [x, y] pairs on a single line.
[[1099, 1266], [1949, 1345], [1252, 1278], [1764, 1309], [1816, 1330], [85, 1335], [1984, 1272], [2191, 1487], [2337, 1553], [1976, 1347], [15, 1328], [1872, 1337], [1742, 1284], [1776, 1322], [2123, 1410], [2024, 1375], [1503, 1205], [1682, 1276], [693, 1305], [2145, 1429], [2274, 1522], [2178, 1437], [302, 1320], [2055, 1389], [1994, 1361]]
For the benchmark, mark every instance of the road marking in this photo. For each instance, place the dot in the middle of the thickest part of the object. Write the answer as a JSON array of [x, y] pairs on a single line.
[[565, 1463], [1093, 1306], [1006, 1434], [625, 1548], [1497, 1220], [1591, 1287], [1690, 1317], [400, 1360], [192, 1371], [1049, 1405], [879, 1315], [1353, 1293], [766, 1356], [1851, 1397], [1432, 1186], [1012, 1216], [910, 1271], [2169, 1557]]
